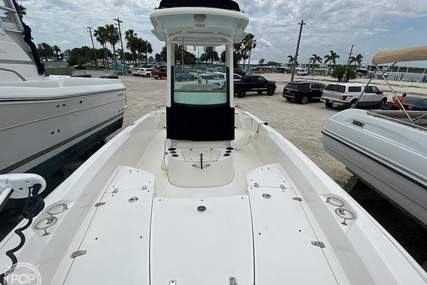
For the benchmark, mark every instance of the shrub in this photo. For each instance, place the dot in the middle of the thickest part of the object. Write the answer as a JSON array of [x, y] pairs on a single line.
[[339, 71]]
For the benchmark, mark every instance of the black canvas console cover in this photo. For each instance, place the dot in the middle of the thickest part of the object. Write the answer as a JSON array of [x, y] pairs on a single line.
[[221, 4]]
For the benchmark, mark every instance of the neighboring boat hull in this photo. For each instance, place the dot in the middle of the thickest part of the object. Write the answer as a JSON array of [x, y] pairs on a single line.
[[387, 155], [46, 127]]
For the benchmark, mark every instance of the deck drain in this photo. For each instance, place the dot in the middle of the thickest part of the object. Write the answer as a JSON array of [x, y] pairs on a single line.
[[266, 195], [133, 199]]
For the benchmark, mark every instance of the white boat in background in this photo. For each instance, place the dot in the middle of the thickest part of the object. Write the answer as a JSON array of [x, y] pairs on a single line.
[[385, 149], [48, 121], [302, 71], [201, 192]]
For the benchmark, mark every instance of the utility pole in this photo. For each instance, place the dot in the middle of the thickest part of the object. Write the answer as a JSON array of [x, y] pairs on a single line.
[[344, 78], [93, 46], [296, 52], [121, 42]]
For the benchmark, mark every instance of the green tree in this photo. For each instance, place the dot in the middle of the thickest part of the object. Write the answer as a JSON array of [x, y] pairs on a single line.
[[113, 38], [101, 36], [332, 57], [132, 43], [339, 72], [143, 49], [315, 58], [291, 60], [237, 54], [45, 50], [80, 56], [249, 43], [210, 55], [356, 59], [57, 51]]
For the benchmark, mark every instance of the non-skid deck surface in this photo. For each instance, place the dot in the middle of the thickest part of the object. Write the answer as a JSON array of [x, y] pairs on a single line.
[[259, 237]]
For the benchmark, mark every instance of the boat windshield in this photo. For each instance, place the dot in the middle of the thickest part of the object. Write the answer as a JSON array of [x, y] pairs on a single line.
[[195, 83]]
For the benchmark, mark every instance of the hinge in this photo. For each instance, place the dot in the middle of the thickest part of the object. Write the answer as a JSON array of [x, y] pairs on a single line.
[[100, 204]]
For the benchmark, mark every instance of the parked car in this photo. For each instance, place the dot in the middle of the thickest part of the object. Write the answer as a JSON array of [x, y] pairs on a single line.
[[282, 70], [146, 72], [303, 91], [181, 75], [137, 71], [254, 83], [109, 76], [411, 103], [160, 73], [349, 95]]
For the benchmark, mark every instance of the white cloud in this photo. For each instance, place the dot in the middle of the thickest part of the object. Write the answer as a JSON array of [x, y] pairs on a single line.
[[330, 24]]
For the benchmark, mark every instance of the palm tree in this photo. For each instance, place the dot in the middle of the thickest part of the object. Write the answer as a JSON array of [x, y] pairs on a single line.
[[113, 38], [332, 57], [146, 49], [237, 53], [45, 50], [100, 35], [291, 59], [57, 51], [315, 58], [132, 42], [356, 59], [142, 47], [209, 55], [249, 43]]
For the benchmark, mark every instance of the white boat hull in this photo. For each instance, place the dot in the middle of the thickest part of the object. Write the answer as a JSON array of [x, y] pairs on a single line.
[[387, 155], [122, 210], [48, 121], [199, 192], [46, 124]]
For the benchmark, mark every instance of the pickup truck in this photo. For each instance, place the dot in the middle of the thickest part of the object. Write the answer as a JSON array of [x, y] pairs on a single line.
[[349, 95], [254, 83], [159, 73]]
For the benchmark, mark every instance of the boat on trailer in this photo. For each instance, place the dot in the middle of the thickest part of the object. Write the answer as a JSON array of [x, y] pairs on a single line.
[[201, 192], [47, 121], [384, 148]]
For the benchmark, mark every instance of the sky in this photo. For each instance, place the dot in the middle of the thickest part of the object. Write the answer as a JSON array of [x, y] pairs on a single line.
[[369, 26]]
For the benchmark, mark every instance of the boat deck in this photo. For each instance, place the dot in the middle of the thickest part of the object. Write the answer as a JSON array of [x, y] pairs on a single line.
[[222, 231]]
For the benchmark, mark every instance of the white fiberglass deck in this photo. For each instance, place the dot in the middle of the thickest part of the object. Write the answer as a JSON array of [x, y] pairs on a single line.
[[201, 235]]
